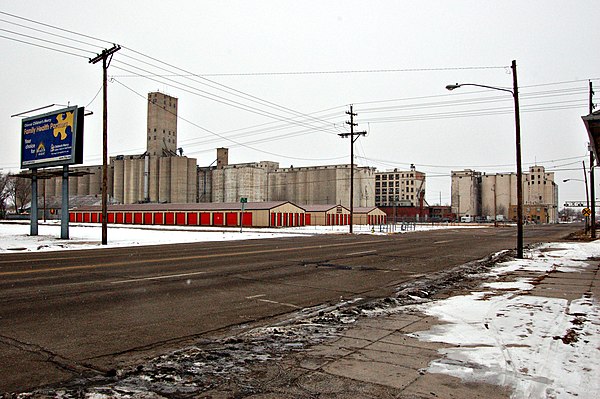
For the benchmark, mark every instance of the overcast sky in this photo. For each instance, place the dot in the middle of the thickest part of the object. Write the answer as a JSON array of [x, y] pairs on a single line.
[[273, 80]]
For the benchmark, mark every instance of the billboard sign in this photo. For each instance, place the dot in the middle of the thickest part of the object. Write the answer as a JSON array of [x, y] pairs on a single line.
[[52, 139]]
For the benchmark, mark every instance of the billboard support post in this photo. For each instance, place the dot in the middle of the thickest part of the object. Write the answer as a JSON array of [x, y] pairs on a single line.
[[33, 226], [64, 217]]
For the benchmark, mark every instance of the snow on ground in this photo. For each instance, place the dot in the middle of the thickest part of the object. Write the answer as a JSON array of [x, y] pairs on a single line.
[[14, 237], [542, 347]]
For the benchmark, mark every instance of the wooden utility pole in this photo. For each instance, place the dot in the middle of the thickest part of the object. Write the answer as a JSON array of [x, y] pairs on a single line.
[[352, 140], [515, 93], [104, 56]]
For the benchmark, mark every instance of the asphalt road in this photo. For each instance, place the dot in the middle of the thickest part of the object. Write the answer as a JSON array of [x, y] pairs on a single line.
[[64, 314]]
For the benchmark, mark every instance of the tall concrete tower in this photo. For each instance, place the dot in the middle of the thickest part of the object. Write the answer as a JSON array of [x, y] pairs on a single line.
[[162, 125], [222, 157]]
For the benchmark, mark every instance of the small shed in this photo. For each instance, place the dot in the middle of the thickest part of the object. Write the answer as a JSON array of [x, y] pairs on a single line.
[[327, 215], [369, 215]]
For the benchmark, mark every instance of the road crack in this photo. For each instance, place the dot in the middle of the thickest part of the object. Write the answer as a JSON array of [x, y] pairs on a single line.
[[59, 361]]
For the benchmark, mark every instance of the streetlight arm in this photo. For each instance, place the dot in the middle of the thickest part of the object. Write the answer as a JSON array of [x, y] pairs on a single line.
[[515, 94], [457, 85]]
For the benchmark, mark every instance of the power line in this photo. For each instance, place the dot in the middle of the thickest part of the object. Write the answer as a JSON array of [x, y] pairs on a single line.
[[227, 89], [336, 72], [45, 40], [44, 47], [214, 85], [224, 137], [219, 99], [50, 33], [57, 28]]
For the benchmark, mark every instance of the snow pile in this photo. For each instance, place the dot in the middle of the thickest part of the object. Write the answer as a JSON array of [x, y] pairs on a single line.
[[542, 347]]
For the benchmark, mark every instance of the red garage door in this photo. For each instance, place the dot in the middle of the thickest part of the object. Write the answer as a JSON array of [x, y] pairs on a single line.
[[205, 219], [148, 219], [169, 217], [232, 218], [218, 219], [192, 218], [247, 219], [180, 218], [138, 218]]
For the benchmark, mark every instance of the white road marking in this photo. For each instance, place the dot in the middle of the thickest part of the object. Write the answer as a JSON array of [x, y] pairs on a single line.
[[442, 242], [255, 296], [361, 253], [134, 280]]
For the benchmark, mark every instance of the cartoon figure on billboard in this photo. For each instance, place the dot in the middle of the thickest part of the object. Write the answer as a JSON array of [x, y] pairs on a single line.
[[62, 123]]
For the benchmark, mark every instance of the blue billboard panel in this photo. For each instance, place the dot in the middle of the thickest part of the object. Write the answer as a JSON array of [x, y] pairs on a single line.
[[52, 139]]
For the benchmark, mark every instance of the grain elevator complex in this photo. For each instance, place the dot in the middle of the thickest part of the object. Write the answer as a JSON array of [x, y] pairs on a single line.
[[163, 174]]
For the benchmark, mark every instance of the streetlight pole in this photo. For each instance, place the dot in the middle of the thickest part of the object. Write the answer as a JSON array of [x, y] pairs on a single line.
[[515, 94]]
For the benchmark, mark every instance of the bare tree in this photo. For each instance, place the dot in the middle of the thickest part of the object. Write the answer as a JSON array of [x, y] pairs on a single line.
[[19, 189], [4, 193]]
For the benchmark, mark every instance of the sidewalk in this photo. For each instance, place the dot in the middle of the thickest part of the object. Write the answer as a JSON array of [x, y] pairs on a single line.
[[532, 330]]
